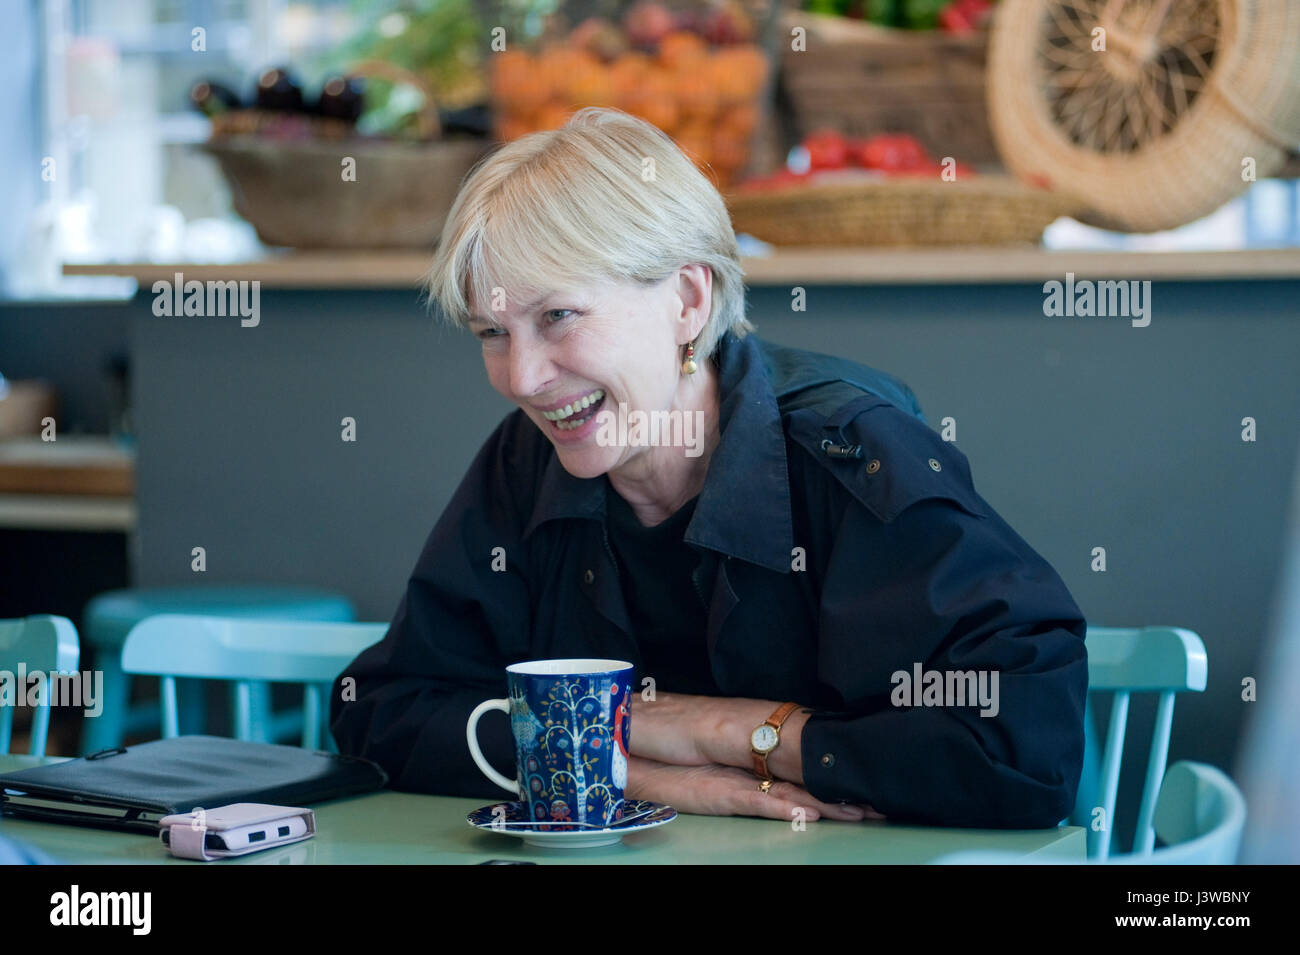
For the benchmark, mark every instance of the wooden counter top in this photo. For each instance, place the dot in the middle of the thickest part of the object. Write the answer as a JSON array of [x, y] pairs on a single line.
[[403, 269], [90, 465]]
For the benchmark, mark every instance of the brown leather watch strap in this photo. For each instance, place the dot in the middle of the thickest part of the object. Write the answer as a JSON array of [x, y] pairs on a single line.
[[776, 720]]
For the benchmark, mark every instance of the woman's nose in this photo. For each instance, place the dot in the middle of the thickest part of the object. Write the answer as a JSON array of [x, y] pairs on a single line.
[[529, 369]]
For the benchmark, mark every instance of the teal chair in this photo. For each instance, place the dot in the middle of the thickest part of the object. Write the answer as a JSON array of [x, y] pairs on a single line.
[[111, 615], [1123, 661], [1199, 817], [248, 651], [40, 643]]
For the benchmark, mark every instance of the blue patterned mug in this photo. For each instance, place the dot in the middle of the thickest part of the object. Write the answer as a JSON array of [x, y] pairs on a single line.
[[570, 720]]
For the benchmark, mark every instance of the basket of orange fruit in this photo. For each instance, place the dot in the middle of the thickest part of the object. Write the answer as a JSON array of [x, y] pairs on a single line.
[[699, 71]]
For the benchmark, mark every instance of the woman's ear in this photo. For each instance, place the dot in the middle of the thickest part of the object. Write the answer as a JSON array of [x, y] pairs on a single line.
[[695, 289]]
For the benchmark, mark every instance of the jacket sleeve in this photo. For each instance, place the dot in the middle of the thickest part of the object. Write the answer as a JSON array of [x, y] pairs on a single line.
[[946, 584], [459, 624]]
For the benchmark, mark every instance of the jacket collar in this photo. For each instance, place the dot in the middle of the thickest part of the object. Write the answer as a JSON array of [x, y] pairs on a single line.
[[750, 460]]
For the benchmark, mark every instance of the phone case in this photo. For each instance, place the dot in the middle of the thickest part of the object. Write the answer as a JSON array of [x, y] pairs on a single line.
[[186, 833]]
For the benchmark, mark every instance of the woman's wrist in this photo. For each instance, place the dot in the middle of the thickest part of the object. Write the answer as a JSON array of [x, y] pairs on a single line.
[[728, 741], [727, 738]]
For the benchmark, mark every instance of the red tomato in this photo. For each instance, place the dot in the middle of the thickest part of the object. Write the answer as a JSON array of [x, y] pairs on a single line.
[[953, 19], [891, 152], [827, 149], [881, 152], [911, 153]]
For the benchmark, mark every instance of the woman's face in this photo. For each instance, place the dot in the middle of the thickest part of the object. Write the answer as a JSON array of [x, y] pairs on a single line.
[[605, 343]]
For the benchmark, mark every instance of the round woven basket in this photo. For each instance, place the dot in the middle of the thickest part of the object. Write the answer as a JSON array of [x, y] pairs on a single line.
[[293, 191], [982, 210], [1188, 102]]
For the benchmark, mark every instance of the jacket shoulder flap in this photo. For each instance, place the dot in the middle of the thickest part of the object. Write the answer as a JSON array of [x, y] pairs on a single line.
[[900, 460]]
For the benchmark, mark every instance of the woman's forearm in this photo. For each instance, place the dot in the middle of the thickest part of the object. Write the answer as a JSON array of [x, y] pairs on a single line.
[[687, 730]]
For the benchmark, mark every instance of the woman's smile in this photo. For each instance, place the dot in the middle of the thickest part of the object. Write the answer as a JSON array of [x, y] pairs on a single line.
[[575, 423]]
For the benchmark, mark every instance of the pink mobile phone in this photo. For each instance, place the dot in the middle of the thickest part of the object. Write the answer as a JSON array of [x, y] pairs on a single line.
[[234, 830]]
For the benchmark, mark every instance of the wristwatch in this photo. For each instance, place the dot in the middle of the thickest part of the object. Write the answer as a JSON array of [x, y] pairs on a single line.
[[765, 738]]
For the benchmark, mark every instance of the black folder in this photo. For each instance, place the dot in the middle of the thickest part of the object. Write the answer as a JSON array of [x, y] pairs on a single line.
[[133, 787]]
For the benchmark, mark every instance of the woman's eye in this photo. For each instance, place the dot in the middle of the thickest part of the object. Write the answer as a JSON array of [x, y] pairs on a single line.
[[554, 310], [487, 333]]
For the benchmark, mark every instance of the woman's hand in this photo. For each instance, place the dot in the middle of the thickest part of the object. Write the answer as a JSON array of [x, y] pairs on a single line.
[[670, 728], [712, 790]]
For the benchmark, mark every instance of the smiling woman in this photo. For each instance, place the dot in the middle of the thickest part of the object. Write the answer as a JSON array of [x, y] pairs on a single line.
[[765, 570]]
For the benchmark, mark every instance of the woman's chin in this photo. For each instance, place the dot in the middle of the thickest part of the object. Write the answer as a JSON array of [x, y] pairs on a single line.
[[587, 461]]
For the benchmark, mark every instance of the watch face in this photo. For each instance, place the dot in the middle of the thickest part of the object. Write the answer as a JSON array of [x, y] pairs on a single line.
[[764, 738]]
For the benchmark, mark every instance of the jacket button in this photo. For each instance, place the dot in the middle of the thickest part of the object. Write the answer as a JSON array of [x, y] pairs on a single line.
[[935, 465], [828, 759], [588, 577], [873, 466]]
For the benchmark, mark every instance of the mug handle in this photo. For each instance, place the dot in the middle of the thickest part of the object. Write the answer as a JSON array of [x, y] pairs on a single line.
[[471, 736]]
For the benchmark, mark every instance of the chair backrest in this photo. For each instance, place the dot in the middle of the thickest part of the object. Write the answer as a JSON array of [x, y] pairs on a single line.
[[243, 650], [1123, 661], [1199, 816], [38, 644]]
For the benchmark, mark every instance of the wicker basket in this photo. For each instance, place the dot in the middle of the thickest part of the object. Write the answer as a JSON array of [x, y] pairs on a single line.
[[293, 193], [983, 210], [1164, 125], [864, 79]]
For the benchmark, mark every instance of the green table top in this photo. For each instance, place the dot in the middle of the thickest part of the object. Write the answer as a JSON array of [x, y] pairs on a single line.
[[402, 828]]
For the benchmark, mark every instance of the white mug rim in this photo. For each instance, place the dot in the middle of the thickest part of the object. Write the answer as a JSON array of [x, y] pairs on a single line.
[[577, 666]]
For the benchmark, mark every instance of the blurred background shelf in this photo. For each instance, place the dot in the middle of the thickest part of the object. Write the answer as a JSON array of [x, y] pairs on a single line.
[[398, 270]]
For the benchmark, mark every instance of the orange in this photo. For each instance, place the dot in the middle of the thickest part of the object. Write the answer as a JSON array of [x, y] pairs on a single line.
[[552, 116], [655, 100], [730, 151], [590, 84], [696, 95], [657, 110], [751, 65], [627, 74], [512, 127], [556, 65], [740, 120], [695, 142], [516, 82], [729, 77], [679, 47]]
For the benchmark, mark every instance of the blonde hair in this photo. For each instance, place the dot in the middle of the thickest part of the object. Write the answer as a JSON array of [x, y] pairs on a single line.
[[561, 206]]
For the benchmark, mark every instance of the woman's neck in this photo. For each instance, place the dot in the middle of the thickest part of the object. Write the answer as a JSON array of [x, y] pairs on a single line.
[[658, 482]]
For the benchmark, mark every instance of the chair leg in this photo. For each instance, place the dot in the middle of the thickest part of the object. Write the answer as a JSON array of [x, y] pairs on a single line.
[[107, 730], [243, 710], [170, 716], [40, 729], [192, 703], [260, 713], [311, 697], [8, 685]]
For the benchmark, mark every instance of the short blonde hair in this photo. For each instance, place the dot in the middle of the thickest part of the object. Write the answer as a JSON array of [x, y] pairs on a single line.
[[557, 207]]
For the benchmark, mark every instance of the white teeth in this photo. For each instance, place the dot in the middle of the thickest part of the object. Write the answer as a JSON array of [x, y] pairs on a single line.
[[559, 414]]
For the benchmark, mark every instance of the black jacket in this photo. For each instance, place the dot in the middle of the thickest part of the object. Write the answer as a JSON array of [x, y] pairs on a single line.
[[903, 565]]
